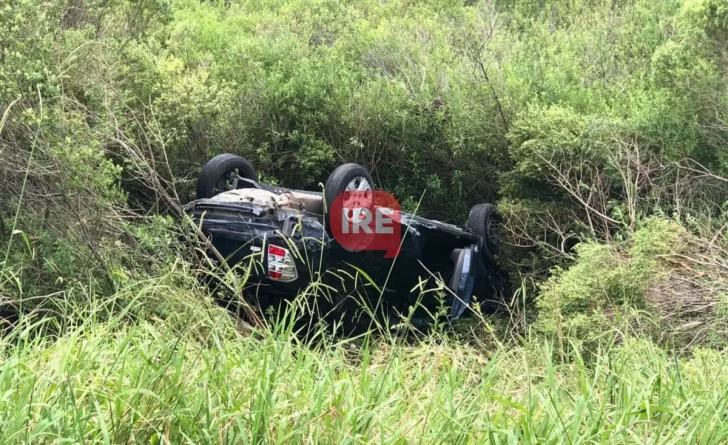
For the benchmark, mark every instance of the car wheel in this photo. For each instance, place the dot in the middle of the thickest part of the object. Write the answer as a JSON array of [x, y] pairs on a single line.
[[355, 186], [484, 221], [222, 173]]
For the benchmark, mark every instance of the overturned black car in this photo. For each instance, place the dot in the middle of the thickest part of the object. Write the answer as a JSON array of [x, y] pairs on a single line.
[[286, 240]]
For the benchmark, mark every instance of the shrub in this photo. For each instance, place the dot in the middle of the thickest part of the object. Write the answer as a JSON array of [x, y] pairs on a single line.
[[607, 284]]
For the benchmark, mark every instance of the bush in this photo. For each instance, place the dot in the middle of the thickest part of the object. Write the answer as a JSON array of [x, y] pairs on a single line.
[[607, 284]]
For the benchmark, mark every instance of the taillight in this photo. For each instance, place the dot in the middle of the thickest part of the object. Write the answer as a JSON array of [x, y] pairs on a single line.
[[276, 251], [281, 266]]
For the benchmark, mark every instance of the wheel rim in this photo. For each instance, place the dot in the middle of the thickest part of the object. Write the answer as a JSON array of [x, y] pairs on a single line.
[[358, 197]]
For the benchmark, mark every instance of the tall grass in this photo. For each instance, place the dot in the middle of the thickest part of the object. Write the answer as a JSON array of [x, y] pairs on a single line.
[[192, 377]]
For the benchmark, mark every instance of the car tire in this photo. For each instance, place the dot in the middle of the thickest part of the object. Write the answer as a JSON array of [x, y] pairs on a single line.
[[483, 220], [345, 178], [213, 177]]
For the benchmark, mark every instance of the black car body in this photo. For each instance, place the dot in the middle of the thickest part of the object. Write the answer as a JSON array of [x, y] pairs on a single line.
[[281, 236]]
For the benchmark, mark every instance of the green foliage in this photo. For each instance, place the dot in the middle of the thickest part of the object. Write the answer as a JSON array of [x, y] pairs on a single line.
[[606, 282], [323, 83], [199, 380], [410, 91], [606, 90], [571, 114], [448, 103]]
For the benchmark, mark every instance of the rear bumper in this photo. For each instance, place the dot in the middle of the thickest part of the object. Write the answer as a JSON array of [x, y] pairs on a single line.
[[242, 234]]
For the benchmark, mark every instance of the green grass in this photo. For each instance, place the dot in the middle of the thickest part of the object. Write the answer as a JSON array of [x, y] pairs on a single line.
[[194, 378]]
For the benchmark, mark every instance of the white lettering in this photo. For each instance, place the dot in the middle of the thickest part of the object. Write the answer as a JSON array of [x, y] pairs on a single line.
[[344, 220], [383, 219], [360, 222]]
